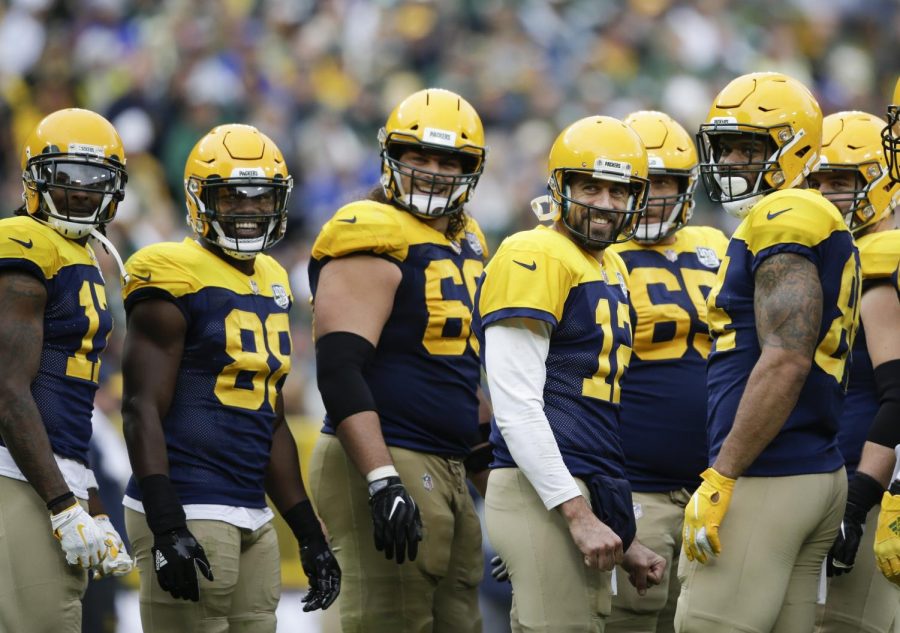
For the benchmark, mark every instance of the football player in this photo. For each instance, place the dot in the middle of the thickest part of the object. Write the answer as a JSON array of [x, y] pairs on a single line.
[[854, 176], [55, 324], [878, 458], [393, 278], [207, 350], [783, 316], [671, 269], [553, 315]]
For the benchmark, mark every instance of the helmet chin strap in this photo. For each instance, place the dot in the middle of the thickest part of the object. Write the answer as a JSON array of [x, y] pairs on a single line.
[[97, 235], [651, 232], [740, 208]]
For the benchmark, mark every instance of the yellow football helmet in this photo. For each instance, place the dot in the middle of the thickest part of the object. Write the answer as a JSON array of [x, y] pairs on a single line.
[[782, 122], [73, 172], [890, 135], [851, 143], [435, 120], [604, 148], [670, 152], [237, 188]]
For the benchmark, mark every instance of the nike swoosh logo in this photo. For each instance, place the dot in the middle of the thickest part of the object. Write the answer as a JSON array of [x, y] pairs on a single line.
[[27, 244], [772, 216], [348, 220], [532, 266], [142, 277], [397, 502]]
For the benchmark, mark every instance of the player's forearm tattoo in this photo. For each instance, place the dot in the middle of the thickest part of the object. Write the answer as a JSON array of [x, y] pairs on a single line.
[[23, 299], [788, 303]]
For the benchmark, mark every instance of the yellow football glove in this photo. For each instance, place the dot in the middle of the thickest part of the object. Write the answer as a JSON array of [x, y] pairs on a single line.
[[887, 538], [703, 516]]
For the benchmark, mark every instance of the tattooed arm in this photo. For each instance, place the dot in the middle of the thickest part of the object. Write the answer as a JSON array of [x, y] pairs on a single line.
[[21, 338], [787, 305]]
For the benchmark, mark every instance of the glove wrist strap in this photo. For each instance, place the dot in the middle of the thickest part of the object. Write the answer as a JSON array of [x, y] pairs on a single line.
[[304, 523], [161, 504], [378, 485]]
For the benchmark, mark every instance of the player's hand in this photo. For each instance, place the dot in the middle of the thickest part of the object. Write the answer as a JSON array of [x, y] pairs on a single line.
[[499, 572], [842, 554], [644, 566], [83, 541], [887, 538], [117, 561], [600, 546], [176, 557], [398, 527], [322, 571], [704, 514]]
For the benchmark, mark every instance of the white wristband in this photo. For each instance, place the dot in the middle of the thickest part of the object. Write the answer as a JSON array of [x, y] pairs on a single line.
[[381, 472]]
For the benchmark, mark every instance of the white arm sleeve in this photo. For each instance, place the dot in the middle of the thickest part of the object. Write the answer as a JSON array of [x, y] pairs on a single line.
[[515, 359]]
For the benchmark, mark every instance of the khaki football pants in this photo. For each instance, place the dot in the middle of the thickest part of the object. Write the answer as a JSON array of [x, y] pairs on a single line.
[[39, 591], [438, 592], [242, 598], [553, 590], [659, 527], [774, 538], [863, 601]]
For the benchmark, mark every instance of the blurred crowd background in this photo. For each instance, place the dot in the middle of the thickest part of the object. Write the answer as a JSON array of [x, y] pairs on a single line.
[[320, 77]]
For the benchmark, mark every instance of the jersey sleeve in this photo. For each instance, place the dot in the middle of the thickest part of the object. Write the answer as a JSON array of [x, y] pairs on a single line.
[[362, 227], [790, 221], [157, 272], [27, 251], [524, 281], [879, 254]]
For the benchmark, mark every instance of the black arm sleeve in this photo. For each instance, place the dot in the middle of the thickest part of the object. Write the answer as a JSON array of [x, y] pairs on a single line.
[[340, 360], [886, 426]]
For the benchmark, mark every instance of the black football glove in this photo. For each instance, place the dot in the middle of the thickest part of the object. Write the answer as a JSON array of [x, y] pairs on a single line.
[[319, 564], [175, 555], [499, 572], [862, 494], [322, 571], [842, 554], [398, 527]]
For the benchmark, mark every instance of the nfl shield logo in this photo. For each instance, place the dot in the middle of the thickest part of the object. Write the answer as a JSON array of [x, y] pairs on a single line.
[[622, 283], [427, 482], [473, 241], [707, 257], [281, 296]]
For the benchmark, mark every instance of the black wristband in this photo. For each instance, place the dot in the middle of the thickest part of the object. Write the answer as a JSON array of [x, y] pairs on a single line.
[[304, 523], [895, 487], [161, 504], [60, 499], [862, 495]]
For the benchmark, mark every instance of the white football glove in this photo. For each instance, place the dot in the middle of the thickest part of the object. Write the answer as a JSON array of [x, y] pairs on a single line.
[[117, 561], [83, 541]]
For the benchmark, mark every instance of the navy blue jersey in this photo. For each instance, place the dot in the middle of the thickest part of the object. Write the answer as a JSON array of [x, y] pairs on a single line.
[[425, 373], [237, 353], [663, 421], [77, 323], [804, 223], [541, 274], [879, 254]]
